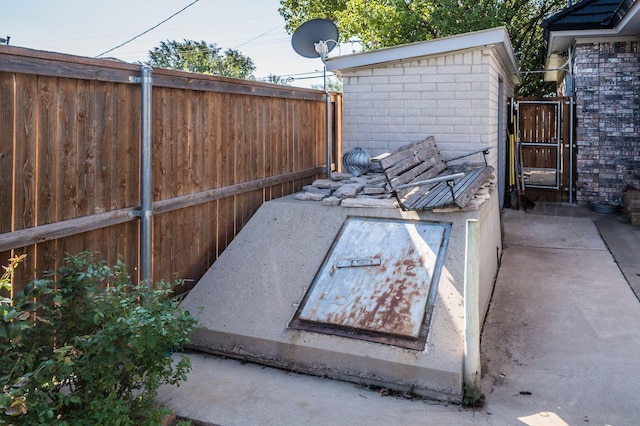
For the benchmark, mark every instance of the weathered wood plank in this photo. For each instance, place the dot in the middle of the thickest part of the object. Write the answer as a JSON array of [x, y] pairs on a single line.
[[81, 148], [175, 151], [7, 121], [129, 114], [197, 145], [439, 196], [226, 223], [416, 161], [421, 162], [99, 140], [422, 171], [476, 179], [65, 228], [85, 161], [35, 62], [27, 61], [25, 170], [242, 161], [68, 123], [408, 151], [46, 174]]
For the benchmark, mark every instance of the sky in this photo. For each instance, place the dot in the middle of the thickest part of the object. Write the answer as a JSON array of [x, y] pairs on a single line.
[[89, 28]]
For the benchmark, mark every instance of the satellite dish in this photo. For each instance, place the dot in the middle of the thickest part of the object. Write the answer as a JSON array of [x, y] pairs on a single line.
[[315, 38]]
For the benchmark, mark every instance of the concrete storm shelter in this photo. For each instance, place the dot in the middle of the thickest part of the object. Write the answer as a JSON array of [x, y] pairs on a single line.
[[361, 290]]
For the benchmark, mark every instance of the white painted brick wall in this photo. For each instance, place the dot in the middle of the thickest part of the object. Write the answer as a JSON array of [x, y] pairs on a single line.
[[452, 96]]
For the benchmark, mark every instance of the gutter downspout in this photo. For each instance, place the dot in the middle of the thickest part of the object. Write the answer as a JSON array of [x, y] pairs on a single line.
[[328, 118], [146, 189], [571, 124]]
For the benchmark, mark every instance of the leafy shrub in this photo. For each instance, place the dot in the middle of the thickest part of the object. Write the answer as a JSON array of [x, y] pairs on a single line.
[[84, 346]]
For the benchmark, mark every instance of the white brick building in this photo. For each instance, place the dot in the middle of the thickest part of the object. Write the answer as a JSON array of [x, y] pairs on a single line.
[[454, 88]]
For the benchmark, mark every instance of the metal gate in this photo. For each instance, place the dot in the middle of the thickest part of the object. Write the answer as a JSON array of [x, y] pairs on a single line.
[[544, 146]]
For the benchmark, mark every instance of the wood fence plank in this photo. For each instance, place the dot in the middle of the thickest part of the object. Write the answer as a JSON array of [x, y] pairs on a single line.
[[65, 228], [226, 222], [162, 133], [169, 144], [7, 122], [289, 141], [130, 115], [25, 167], [68, 166], [197, 142], [123, 149], [241, 154], [108, 166], [198, 132], [100, 137], [48, 151], [179, 146], [229, 141], [211, 125], [47, 253], [275, 139], [85, 158], [82, 145]]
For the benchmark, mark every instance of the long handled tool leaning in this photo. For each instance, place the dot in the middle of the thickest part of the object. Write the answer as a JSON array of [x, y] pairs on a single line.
[[511, 200], [522, 194], [523, 200]]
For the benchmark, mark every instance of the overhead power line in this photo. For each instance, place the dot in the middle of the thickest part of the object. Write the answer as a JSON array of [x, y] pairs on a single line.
[[256, 37], [150, 29]]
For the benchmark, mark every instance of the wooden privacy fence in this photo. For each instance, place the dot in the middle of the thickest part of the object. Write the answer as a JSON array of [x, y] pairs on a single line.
[[70, 142]]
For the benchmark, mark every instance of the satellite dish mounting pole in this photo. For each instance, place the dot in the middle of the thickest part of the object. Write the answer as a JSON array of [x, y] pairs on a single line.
[[328, 118], [316, 38]]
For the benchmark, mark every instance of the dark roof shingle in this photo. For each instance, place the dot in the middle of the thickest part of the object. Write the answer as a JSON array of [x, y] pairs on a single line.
[[588, 14]]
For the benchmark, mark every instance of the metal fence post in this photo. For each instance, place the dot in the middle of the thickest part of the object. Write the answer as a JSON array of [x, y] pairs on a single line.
[[146, 188]]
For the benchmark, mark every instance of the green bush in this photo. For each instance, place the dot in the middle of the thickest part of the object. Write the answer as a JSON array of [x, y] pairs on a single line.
[[84, 346]]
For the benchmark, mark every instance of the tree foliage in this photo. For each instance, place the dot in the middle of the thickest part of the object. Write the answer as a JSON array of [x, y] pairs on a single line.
[[333, 85], [200, 57], [381, 23], [278, 79]]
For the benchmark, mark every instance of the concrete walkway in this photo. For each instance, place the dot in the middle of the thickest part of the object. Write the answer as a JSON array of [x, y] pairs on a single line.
[[560, 346]]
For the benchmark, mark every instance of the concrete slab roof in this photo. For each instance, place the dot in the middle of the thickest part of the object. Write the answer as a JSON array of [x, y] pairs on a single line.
[[496, 37]]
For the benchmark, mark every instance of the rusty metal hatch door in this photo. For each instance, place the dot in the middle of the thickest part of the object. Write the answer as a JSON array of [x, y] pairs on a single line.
[[378, 282]]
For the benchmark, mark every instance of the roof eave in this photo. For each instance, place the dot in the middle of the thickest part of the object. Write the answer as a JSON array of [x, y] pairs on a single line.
[[497, 37], [559, 40]]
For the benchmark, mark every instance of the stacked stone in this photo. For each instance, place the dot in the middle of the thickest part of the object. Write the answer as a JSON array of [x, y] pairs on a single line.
[[372, 190], [632, 206], [347, 190]]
